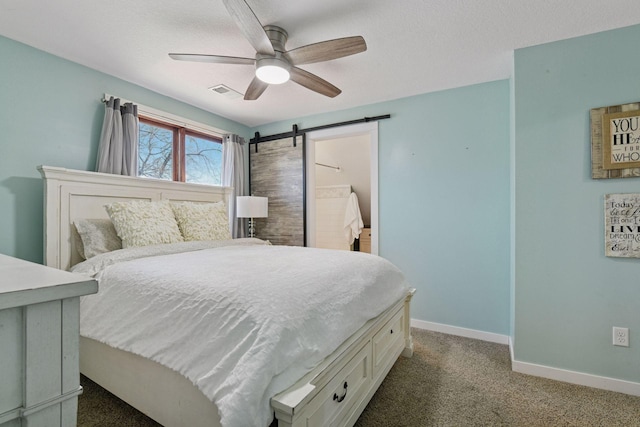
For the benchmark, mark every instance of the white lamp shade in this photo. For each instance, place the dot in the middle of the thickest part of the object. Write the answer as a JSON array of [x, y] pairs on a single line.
[[252, 207]]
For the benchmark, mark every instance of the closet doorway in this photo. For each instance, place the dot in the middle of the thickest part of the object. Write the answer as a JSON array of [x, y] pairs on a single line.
[[340, 160]]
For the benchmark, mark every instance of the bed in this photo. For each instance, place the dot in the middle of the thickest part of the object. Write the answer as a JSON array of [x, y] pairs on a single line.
[[333, 392]]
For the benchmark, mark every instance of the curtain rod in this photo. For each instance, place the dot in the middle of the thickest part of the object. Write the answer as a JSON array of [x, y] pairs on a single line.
[[295, 132], [164, 116]]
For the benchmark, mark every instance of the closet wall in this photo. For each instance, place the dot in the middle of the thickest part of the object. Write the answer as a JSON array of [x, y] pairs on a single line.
[[353, 156]]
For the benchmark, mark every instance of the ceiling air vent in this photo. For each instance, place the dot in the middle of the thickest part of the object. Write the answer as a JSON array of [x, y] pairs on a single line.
[[226, 91]]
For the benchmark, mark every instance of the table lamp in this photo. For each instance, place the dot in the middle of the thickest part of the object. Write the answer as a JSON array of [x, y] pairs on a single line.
[[252, 207]]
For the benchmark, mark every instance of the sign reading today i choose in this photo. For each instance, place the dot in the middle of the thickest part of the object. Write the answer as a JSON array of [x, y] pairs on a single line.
[[622, 225]]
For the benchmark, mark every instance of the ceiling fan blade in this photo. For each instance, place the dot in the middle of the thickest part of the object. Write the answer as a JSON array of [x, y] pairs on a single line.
[[327, 50], [249, 25], [255, 89], [215, 59], [313, 82]]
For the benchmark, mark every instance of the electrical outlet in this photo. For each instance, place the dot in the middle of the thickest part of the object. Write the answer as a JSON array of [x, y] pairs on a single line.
[[621, 336]]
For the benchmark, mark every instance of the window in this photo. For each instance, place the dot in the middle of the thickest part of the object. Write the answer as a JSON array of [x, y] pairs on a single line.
[[168, 151]]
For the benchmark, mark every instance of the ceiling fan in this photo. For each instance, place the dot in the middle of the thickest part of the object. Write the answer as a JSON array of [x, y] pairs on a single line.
[[274, 64]]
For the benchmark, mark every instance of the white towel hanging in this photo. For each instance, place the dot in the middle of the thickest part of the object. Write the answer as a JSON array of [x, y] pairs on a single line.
[[353, 224]]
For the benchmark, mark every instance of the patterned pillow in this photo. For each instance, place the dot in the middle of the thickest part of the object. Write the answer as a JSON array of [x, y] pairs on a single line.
[[202, 221], [97, 236], [143, 223]]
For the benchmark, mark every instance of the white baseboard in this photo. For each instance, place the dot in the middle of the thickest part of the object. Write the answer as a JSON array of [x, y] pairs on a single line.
[[462, 332], [579, 378], [511, 351], [572, 377]]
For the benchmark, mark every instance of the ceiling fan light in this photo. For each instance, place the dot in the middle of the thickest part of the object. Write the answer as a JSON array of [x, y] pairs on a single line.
[[272, 71]]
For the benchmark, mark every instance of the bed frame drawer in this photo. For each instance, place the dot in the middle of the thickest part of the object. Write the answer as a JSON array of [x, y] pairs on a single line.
[[388, 343], [313, 400], [341, 395]]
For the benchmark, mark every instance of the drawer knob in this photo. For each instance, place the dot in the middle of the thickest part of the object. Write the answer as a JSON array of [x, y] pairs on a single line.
[[341, 398], [392, 331]]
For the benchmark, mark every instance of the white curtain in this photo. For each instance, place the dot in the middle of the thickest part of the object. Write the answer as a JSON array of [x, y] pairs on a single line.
[[233, 173], [118, 149]]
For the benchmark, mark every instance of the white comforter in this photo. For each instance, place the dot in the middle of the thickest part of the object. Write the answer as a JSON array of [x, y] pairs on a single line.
[[242, 321]]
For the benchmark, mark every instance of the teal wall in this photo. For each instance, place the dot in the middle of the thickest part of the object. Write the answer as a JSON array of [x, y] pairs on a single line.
[[50, 113], [444, 199], [568, 295]]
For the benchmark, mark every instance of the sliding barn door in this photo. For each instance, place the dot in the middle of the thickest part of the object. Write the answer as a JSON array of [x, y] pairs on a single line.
[[276, 172]]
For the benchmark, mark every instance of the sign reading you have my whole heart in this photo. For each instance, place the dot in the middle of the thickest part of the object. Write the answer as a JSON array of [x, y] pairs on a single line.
[[621, 140]]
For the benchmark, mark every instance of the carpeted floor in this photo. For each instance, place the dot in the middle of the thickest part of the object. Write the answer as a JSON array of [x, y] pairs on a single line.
[[450, 381]]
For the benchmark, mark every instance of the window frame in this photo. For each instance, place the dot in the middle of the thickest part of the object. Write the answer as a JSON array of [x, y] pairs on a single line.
[[202, 135], [178, 151]]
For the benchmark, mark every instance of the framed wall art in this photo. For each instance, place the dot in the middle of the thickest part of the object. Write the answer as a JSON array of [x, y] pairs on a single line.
[[622, 225], [621, 140], [615, 141]]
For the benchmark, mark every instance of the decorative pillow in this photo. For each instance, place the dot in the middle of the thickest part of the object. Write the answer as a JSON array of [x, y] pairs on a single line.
[[143, 223], [77, 242], [202, 221], [97, 236]]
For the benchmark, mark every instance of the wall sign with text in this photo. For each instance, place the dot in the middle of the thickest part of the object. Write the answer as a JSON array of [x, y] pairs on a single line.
[[615, 141], [622, 225], [621, 140]]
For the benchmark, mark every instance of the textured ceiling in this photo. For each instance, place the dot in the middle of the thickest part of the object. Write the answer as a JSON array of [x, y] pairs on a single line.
[[414, 46]]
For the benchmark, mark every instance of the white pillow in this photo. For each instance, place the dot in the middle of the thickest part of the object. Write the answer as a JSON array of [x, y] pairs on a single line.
[[143, 223], [202, 221], [97, 236]]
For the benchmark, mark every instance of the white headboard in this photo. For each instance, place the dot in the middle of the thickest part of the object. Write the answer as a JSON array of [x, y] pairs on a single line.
[[71, 194]]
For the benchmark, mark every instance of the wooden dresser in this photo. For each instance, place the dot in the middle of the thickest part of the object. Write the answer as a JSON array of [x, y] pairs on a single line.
[[39, 335]]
